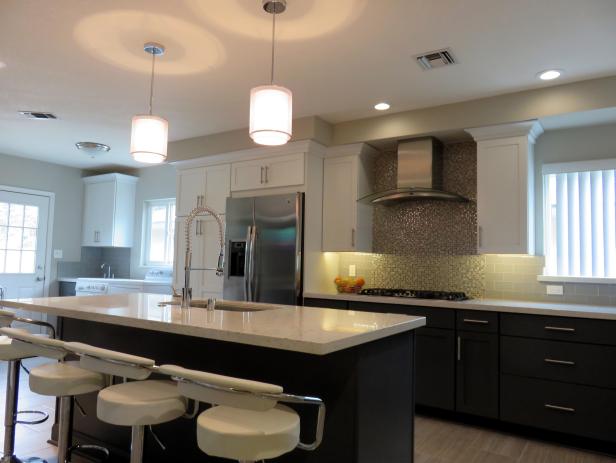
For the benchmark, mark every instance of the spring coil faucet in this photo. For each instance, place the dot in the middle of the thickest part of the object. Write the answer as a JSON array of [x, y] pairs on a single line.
[[187, 290]]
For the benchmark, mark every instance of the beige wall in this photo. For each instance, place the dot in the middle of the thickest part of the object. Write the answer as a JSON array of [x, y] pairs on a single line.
[[67, 185], [566, 145], [157, 182]]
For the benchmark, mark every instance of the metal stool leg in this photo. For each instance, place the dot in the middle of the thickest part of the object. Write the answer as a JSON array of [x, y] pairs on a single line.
[[136, 444], [12, 387], [64, 428]]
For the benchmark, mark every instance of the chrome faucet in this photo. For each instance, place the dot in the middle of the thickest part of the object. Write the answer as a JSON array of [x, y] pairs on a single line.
[[187, 290], [108, 273]]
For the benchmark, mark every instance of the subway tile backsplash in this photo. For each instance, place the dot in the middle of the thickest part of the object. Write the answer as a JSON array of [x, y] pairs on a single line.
[[483, 276], [91, 260]]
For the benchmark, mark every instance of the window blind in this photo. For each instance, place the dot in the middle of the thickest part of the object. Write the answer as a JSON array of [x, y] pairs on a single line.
[[580, 222]]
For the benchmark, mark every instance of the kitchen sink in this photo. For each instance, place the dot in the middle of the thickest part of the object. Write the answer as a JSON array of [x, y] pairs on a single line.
[[229, 306]]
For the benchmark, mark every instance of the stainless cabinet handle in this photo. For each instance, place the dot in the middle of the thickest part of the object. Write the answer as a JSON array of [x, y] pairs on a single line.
[[266, 174], [559, 328], [476, 322], [559, 362], [459, 348], [352, 237], [480, 235], [40, 278], [559, 408], [262, 169]]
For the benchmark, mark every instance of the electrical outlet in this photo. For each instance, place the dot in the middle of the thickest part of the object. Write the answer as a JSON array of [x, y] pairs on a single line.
[[58, 253], [554, 290], [352, 271]]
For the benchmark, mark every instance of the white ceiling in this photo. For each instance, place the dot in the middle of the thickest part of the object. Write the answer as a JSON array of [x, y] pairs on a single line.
[[83, 60]]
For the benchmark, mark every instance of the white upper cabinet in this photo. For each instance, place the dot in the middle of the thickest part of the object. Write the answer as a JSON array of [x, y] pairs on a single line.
[[505, 187], [270, 172], [109, 210], [203, 186], [348, 174]]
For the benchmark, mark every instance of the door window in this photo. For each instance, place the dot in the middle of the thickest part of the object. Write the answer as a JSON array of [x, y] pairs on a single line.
[[18, 237]]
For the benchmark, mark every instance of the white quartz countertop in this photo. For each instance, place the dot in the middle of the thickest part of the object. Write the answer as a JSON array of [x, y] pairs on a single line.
[[310, 330], [561, 309]]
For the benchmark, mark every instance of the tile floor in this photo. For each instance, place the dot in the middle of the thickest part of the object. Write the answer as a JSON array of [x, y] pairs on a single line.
[[436, 441]]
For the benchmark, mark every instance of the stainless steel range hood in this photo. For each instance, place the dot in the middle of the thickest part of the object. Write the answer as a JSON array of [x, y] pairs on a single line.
[[420, 175]]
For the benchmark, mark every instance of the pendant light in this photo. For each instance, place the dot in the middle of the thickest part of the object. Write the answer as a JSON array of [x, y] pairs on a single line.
[[148, 140], [271, 106]]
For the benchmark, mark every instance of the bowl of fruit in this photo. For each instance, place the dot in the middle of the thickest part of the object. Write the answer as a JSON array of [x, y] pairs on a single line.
[[349, 284]]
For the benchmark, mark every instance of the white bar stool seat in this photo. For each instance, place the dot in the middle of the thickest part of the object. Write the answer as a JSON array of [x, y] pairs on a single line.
[[136, 404], [64, 379], [140, 403], [239, 434], [8, 351], [247, 423]]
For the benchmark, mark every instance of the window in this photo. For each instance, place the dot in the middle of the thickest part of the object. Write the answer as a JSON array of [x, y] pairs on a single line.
[[18, 232], [159, 232], [580, 219]]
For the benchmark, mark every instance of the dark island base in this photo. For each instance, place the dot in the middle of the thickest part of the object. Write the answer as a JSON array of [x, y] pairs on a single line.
[[368, 391]]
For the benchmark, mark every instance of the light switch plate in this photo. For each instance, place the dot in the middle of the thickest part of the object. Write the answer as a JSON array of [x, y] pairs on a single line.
[[58, 253], [352, 270], [554, 290]]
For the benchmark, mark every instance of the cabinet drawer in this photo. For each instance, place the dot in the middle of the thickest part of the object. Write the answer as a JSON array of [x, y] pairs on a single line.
[[561, 361], [559, 328], [476, 320], [327, 303], [435, 318], [569, 408]]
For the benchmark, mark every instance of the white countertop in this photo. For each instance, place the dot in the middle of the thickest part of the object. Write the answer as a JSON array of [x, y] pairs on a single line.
[[301, 329], [561, 309]]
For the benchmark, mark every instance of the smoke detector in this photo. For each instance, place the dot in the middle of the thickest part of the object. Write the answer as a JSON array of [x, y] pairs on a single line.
[[92, 148], [435, 59], [41, 115]]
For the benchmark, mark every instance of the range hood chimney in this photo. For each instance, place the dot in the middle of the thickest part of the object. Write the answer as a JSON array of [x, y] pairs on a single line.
[[420, 175]]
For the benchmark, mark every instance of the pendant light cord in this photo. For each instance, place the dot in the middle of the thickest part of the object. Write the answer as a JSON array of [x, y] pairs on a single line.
[[273, 44], [152, 82]]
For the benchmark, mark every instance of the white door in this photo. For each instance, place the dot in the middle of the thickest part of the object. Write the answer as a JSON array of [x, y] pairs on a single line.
[[23, 246]]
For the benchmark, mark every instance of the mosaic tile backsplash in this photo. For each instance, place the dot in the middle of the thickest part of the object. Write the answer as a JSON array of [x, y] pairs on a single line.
[[430, 228]]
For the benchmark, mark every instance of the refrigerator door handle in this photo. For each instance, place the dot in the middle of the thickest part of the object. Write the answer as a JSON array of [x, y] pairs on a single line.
[[247, 290], [253, 275]]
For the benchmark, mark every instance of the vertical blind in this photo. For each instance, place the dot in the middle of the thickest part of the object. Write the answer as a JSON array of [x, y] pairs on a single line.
[[580, 220]]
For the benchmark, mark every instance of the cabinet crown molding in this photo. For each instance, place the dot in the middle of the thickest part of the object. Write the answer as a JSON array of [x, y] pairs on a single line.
[[110, 178], [304, 146], [531, 129]]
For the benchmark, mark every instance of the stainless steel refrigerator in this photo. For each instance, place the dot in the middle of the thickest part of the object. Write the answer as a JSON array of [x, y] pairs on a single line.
[[264, 243]]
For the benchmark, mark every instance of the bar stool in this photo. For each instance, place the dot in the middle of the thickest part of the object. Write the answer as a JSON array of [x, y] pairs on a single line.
[[13, 356], [247, 422], [136, 404], [59, 379]]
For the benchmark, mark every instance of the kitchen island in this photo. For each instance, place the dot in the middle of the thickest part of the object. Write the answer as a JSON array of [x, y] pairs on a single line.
[[361, 364]]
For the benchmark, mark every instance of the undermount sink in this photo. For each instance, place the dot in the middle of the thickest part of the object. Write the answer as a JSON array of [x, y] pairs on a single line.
[[228, 306]]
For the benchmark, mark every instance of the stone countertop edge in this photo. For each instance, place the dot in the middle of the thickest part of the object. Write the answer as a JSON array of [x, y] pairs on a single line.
[[237, 333], [561, 309]]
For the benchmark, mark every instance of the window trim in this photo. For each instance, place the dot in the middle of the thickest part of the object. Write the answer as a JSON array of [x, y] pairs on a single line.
[[146, 231]]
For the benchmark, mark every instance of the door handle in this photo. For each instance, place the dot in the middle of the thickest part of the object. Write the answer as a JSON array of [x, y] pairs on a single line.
[[476, 322], [559, 408], [459, 349], [559, 328], [266, 174], [253, 276], [40, 278], [247, 255], [559, 362], [352, 237], [480, 235]]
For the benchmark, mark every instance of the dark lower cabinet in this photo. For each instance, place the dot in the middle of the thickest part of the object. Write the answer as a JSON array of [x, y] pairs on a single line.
[[477, 374], [434, 368]]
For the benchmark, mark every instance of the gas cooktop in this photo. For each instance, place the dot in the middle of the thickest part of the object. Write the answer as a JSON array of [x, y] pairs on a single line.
[[415, 294]]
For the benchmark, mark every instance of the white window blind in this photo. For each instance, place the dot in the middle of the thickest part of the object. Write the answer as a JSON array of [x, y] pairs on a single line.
[[580, 219]]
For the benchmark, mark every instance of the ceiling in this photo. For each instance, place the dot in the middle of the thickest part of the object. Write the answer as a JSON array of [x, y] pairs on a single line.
[[83, 61]]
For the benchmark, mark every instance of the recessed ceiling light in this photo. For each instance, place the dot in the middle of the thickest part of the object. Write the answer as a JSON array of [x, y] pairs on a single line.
[[550, 74], [382, 106]]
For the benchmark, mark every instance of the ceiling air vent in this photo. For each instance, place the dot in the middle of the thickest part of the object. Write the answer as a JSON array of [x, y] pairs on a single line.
[[37, 115], [435, 59]]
